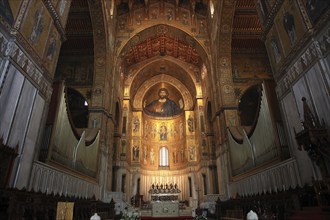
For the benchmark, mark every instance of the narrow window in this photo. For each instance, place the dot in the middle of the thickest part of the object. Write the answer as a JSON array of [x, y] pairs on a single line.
[[113, 187], [216, 180], [138, 186], [163, 157], [204, 184], [123, 183], [124, 125], [202, 123], [190, 187]]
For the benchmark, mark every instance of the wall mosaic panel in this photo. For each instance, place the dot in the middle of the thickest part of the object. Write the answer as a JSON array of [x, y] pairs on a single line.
[[36, 26]]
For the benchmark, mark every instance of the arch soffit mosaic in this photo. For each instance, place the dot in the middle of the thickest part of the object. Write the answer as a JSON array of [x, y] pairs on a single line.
[[224, 73], [138, 97], [139, 33], [133, 70], [100, 39], [161, 65]]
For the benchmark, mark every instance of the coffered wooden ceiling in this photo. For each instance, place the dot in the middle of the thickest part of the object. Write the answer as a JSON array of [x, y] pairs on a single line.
[[199, 6], [246, 27], [163, 45], [79, 30]]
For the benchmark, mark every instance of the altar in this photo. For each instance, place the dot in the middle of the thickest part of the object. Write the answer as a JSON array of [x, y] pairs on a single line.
[[165, 200], [165, 209]]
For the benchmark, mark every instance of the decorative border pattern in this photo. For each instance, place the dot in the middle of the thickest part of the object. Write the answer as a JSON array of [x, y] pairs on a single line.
[[277, 178], [10, 48], [224, 79], [101, 80], [56, 19], [50, 180], [315, 51], [271, 17]]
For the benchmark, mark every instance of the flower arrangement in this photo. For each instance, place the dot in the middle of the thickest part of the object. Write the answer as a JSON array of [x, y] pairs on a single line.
[[130, 214]]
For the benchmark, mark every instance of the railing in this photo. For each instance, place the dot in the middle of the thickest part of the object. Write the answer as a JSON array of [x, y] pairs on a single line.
[[45, 142], [22, 204], [276, 178], [278, 205], [267, 206], [50, 180], [116, 196], [214, 197]]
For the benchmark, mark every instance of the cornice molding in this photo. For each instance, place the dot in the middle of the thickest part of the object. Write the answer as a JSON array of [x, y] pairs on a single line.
[[98, 109], [316, 50], [27, 65], [271, 17], [56, 18], [224, 108]]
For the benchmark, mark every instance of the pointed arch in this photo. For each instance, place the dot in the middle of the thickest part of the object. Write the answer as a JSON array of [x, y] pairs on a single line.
[[138, 98]]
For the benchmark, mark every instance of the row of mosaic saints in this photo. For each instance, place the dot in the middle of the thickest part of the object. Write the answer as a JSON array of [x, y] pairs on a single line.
[[163, 107]]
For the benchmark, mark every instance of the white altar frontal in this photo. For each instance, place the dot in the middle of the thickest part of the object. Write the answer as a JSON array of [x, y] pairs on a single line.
[[165, 209], [165, 200]]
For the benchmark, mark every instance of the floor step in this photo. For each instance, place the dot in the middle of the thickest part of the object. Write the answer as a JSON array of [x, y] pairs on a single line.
[[308, 213]]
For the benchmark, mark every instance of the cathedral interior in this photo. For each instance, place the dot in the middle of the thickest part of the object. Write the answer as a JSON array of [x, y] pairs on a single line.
[[167, 109]]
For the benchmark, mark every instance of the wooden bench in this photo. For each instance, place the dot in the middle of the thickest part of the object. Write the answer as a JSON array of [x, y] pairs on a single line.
[[233, 215]]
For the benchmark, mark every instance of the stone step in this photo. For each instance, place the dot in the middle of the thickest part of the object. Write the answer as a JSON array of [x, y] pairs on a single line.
[[307, 213]]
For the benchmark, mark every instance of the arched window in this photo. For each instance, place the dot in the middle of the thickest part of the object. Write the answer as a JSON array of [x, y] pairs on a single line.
[[117, 117], [204, 184], [211, 8], [78, 108], [249, 105], [163, 157]]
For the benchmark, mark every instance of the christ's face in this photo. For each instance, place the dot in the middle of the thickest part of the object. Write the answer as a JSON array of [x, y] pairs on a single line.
[[162, 94]]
